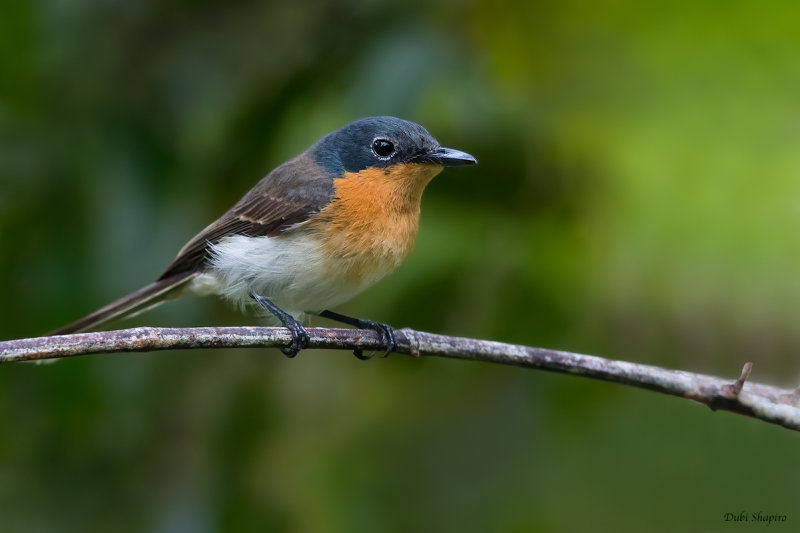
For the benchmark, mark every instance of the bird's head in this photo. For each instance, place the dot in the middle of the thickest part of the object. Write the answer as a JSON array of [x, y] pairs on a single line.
[[398, 147]]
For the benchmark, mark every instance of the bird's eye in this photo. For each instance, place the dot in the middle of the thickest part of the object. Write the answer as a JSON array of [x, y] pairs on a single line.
[[382, 147]]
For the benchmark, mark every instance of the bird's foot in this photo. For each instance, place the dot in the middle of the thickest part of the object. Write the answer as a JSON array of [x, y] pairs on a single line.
[[300, 336], [388, 338], [386, 332]]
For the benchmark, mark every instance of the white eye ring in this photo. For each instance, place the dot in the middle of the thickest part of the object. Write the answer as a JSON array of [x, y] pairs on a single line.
[[380, 145]]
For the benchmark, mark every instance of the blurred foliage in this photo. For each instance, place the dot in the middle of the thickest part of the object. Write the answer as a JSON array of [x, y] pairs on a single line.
[[637, 197]]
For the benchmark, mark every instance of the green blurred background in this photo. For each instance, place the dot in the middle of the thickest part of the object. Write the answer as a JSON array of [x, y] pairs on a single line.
[[638, 197]]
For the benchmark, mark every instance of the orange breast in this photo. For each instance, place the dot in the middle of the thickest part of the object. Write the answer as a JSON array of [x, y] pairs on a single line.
[[371, 225]]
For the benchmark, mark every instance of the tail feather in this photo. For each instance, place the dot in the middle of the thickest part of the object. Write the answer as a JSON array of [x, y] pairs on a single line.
[[130, 305]]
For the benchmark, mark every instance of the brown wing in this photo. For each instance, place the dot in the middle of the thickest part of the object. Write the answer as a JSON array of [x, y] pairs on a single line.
[[288, 195]]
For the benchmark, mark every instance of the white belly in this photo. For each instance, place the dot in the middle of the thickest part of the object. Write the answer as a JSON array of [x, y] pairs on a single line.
[[288, 269]]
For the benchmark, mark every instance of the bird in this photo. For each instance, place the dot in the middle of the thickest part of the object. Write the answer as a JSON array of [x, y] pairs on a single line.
[[313, 233]]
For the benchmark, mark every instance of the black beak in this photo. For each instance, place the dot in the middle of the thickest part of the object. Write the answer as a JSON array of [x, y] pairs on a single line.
[[447, 157]]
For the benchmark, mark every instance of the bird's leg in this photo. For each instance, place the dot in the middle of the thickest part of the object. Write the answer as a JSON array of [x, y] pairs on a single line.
[[300, 337], [386, 331]]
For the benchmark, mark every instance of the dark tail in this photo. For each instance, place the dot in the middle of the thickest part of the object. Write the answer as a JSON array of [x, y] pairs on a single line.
[[136, 302]]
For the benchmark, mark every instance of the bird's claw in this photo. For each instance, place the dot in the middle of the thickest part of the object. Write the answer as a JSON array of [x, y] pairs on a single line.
[[300, 336], [388, 338], [300, 339]]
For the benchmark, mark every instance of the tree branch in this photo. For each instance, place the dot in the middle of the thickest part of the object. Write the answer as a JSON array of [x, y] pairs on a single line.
[[764, 402]]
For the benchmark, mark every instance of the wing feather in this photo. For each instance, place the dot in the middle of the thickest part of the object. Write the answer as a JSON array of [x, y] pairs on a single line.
[[289, 195]]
